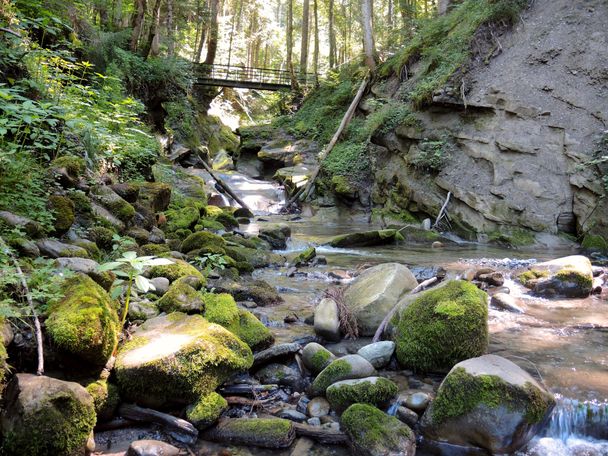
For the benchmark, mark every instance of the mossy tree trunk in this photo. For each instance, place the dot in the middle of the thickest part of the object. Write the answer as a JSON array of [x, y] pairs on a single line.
[[305, 30], [213, 33], [368, 34], [138, 22]]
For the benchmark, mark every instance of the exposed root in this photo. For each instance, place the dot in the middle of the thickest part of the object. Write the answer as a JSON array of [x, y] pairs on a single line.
[[348, 322]]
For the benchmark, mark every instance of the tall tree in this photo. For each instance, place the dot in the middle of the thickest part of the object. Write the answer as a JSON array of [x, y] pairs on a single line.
[[213, 32], [170, 29], [305, 29], [332, 35], [152, 34], [138, 22], [368, 34], [292, 74], [315, 57], [235, 18]]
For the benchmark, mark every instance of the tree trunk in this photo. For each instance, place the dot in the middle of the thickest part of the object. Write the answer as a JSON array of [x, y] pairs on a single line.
[[235, 18], [332, 35], [368, 34], [389, 16], [305, 29], [315, 58], [170, 29], [138, 22], [153, 29], [117, 15], [213, 33], [292, 75]]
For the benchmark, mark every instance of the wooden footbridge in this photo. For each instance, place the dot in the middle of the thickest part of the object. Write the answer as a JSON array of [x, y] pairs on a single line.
[[247, 78]]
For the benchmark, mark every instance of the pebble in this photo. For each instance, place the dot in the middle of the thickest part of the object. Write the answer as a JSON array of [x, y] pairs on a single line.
[[302, 404], [318, 407], [408, 416], [293, 415], [417, 402], [314, 421]]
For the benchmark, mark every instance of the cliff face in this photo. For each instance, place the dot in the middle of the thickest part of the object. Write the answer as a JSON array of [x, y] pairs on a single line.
[[516, 140]]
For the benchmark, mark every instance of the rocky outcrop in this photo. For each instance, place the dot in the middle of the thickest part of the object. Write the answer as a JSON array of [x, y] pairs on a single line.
[[366, 238], [490, 403], [570, 276]]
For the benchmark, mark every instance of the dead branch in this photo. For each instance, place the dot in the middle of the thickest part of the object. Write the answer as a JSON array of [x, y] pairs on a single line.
[[223, 185], [30, 302], [12, 32], [348, 322], [442, 211], [135, 413], [320, 434]]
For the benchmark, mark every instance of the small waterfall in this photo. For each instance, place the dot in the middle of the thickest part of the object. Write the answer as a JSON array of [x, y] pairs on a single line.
[[392, 409], [573, 418]]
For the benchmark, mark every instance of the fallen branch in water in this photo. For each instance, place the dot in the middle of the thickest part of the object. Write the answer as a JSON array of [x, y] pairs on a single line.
[[136, 413], [421, 286], [320, 434], [30, 303]]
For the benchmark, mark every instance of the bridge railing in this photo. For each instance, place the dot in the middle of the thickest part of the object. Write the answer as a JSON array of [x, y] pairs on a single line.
[[246, 74]]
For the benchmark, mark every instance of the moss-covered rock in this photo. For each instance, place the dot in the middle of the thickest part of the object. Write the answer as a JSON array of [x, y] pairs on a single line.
[[594, 243], [316, 357], [174, 271], [366, 238], [84, 323], [256, 257], [442, 327], [201, 240], [181, 297], [206, 223], [377, 391], [262, 432], [258, 291], [159, 250], [345, 368], [176, 359], [46, 416], [102, 236], [105, 399], [64, 213], [276, 235], [373, 432], [55, 249], [570, 276], [227, 220], [488, 402], [154, 195], [117, 206], [75, 166], [185, 218], [206, 410], [305, 257]]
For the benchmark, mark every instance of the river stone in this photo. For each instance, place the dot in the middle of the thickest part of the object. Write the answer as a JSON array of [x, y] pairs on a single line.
[[181, 297], [262, 432], [372, 295], [418, 402], [31, 227], [570, 276], [55, 249], [88, 267], [373, 432], [276, 352], [347, 367], [408, 416], [178, 358], [276, 235], [279, 374], [102, 213], [366, 238], [379, 353], [316, 357], [488, 402], [318, 407], [506, 302], [292, 415], [327, 321], [377, 391], [161, 285], [151, 448], [43, 415]]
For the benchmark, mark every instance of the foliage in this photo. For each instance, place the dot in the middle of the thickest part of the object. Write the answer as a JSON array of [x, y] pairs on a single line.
[[600, 158], [347, 159], [432, 155], [210, 262]]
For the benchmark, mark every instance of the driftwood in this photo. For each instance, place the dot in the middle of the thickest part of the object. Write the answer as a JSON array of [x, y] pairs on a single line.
[[239, 400], [136, 413], [443, 210], [248, 390], [223, 185], [247, 431], [117, 423], [321, 434], [304, 191], [421, 286], [30, 303]]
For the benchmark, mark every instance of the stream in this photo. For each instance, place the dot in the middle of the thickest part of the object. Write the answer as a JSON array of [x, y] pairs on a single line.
[[560, 342]]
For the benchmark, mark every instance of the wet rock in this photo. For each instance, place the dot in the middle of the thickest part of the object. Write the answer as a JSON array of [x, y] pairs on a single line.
[[305, 257], [373, 432], [339, 274], [319, 260], [327, 321], [375, 292], [262, 432], [293, 415], [495, 279], [279, 374], [316, 357], [418, 402], [206, 410], [347, 367], [161, 285], [377, 391], [506, 302], [366, 238], [276, 353], [43, 415], [570, 276], [176, 359], [88, 267], [304, 447], [379, 353], [318, 407], [437, 245], [151, 448], [113, 203], [56, 249], [488, 402], [408, 416], [276, 235], [181, 297], [142, 310]]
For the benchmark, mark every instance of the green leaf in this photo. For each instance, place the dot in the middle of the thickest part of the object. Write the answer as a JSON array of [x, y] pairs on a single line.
[[159, 262], [142, 283], [130, 255], [109, 266]]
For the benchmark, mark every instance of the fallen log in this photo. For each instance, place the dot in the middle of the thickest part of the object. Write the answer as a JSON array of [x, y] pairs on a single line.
[[223, 185], [239, 400], [248, 390], [260, 432], [321, 434], [135, 413]]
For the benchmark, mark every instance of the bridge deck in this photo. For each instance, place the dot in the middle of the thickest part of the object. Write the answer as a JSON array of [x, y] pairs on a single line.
[[248, 78]]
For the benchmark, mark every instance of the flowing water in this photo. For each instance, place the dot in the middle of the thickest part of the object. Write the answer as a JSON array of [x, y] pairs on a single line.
[[561, 342]]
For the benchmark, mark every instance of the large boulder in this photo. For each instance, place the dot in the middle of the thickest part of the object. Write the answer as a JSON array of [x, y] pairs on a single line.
[[56, 249], [490, 403], [84, 323], [46, 416], [276, 235], [441, 327], [373, 432], [177, 359], [366, 238], [377, 391], [327, 320], [347, 367], [372, 295], [569, 276], [116, 205]]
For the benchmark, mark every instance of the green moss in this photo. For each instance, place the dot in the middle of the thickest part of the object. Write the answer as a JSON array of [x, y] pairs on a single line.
[[305, 256], [182, 219], [63, 211], [512, 238], [206, 410], [273, 429], [584, 281], [595, 243], [220, 308], [374, 430], [377, 393], [461, 392], [442, 327], [227, 220], [320, 360], [159, 250], [154, 195], [258, 291], [102, 236], [251, 330], [75, 166], [402, 216], [181, 297], [174, 271], [210, 224], [82, 203], [244, 267], [114, 203], [91, 248], [84, 323], [201, 240], [342, 186], [527, 277], [336, 371], [3, 361], [105, 399]]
